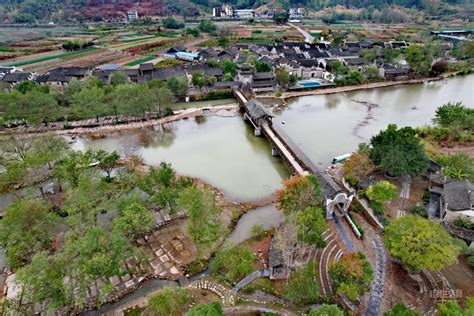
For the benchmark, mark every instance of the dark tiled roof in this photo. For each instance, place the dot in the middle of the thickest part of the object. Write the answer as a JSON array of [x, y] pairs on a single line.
[[146, 67], [53, 78], [226, 84], [355, 61], [166, 73], [459, 195], [257, 110], [209, 71], [70, 71], [263, 75], [308, 62], [16, 76]]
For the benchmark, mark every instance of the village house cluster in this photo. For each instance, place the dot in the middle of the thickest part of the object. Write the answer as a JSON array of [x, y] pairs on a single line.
[[308, 63]]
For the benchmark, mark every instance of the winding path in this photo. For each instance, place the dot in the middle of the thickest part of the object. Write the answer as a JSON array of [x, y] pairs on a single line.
[[377, 287]]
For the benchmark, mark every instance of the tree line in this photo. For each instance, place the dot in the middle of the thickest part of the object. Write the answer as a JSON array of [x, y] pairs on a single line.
[[31, 103]]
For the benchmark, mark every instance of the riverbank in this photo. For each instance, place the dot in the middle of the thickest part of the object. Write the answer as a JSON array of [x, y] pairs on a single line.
[[366, 86], [97, 130]]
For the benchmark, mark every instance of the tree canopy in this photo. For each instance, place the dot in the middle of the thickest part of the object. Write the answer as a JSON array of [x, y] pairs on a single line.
[[420, 244], [211, 309], [398, 151], [302, 288], [351, 275], [326, 310], [233, 264], [169, 301]]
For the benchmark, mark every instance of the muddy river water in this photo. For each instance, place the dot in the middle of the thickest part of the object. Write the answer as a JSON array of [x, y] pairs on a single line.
[[224, 152]]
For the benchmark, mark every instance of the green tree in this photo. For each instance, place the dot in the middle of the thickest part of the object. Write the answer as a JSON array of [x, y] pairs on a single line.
[[206, 26], [281, 17], [311, 225], [261, 66], [205, 226], [282, 75], [298, 193], [107, 162], [27, 227], [192, 31], [452, 308], [179, 86], [43, 107], [326, 310], [390, 55], [133, 99], [73, 166], [233, 264], [338, 67], [89, 103], [398, 151], [171, 23], [457, 166], [420, 244], [43, 281], [451, 114], [351, 275], [118, 77], [419, 58], [199, 79], [169, 301], [381, 192], [211, 309], [228, 67], [134, 219], [401, 310], [369, 55], [302, 288]]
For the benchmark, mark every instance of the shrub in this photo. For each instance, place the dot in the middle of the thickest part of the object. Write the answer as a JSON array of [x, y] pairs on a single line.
[[302, 288], [211, 309], [419, 210], [233, 264], [351, 275], [169, 301], [463, 222], [381, 192]]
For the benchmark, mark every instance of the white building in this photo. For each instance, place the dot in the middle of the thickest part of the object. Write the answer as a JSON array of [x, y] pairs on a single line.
[[216, 12], [228, 11], [132, 15], [244, 14]]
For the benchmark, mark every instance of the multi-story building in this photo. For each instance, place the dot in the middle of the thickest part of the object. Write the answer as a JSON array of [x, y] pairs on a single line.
[[132, 15], [228, 11], [217, 12]]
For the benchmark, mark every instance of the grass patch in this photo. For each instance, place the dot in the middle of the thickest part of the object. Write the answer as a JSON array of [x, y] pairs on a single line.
[[50, 57], [130, 35], [139, 39], [139, 61]]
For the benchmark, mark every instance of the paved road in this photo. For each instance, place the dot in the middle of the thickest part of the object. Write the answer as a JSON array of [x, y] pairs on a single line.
[[308, 38]]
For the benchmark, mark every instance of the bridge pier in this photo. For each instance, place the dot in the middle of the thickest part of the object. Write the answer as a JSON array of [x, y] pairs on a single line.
[[275, 152], [246, 118], [257, 131]]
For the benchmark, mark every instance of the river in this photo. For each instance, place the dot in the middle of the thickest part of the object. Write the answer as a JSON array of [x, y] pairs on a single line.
[[224, 152]]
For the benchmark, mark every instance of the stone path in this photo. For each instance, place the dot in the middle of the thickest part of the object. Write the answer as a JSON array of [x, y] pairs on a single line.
[[226, 295], [249, 279], [406, 183], [377, 287]]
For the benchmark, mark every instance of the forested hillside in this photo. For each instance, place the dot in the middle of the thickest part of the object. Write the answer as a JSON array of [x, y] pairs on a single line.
[[32, 11]]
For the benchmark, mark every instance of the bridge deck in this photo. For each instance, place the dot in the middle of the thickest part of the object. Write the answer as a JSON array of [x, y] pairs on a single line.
[[282, 149]]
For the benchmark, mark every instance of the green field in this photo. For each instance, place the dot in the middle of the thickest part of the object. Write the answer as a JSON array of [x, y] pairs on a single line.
[[45, 58], [139, 39], [140, 61]]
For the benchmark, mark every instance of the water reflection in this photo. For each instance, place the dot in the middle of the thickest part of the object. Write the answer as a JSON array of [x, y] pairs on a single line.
[[222, 151]]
